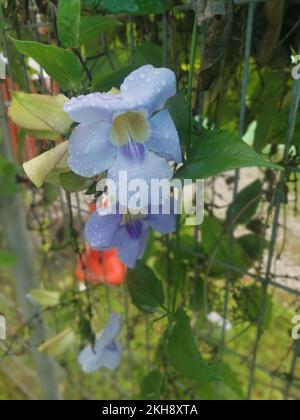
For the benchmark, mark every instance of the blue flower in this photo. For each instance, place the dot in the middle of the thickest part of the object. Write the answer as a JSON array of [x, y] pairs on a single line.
[[106, 352], [119, 128], [127, 232]]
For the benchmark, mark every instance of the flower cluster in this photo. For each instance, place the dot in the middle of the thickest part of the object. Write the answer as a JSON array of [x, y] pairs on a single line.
[[126, 130]]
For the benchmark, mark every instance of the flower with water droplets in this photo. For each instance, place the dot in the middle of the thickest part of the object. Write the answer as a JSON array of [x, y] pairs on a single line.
[[127, 232], [126, 127], [106, 352]]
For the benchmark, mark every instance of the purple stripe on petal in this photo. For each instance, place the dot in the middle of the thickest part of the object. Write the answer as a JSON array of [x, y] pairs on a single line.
[[134, 227], [134, 151]]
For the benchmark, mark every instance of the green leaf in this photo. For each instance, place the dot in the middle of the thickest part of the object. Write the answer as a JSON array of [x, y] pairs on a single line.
[[267, 99], [249, 302], [73, 183], [184, 354], [179, 110], [104, 82], [136, 7], [45, 297], [7, 259], [218, 151], [253, 245], [60, 64], [50, 194], [42, 115], [145, 289], [68, 22], [152, 386], [215, 241], [93, 26], [279, 127], [149, 53], [230, 388], [246, 204], [59, 344]]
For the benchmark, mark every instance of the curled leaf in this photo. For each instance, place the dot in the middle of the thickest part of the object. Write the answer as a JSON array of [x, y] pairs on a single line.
[[45, 297], [40, 167], [43, 115], [57, 345]]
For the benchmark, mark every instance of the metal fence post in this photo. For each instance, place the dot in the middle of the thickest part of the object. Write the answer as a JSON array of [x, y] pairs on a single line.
[[13, 224]]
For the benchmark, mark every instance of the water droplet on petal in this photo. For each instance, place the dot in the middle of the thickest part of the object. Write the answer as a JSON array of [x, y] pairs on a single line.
[[87, 148]]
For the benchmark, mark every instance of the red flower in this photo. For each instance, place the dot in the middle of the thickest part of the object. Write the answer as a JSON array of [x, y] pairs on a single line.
[[101, 267]]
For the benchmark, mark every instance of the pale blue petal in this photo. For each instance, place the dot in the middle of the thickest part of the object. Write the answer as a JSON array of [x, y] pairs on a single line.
[[149, 88], [110, 332], [164, 138], [90, 151], [90, 361], [130, 250], [153, 167], [112, 355], [163, 223], [105, 352], [95, 107], [100, 230]]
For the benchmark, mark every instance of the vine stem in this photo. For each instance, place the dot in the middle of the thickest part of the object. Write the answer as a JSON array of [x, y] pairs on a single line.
[[83, 64], [190, 85]]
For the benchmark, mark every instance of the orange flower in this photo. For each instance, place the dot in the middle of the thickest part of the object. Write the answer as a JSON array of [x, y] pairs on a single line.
[[101, 267]]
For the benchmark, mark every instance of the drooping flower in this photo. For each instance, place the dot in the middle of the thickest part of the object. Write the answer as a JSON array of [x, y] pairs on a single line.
[[106, 352], [101, 267], [127, 127], [126, 232]]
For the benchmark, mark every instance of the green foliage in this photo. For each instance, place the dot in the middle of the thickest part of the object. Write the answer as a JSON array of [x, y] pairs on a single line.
[[68, 22], [45, 298], [253, 245], [51, 193], [145, 289], [183, 353], [136, 7], [279, 127], [58, 344], [246, 203], [73, 183], [266, 109], [229, 389], [249, 304], [93, 26], [215, 240], [149, 53], [103, 82], [60, 64], [218, 151], [179, 110], [152, 385]]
